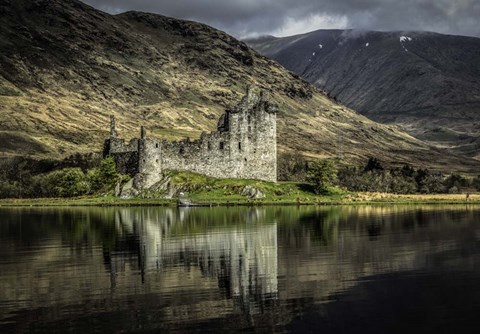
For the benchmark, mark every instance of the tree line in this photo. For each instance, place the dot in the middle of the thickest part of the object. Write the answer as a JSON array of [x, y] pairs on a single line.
[[372, 177], [88, 174], [76, 175]]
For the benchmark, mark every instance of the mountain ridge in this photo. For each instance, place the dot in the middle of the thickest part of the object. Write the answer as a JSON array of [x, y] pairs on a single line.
[[65, 67], [426, 82]]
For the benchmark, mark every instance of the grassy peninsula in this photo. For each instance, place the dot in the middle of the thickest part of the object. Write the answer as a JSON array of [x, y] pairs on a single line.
[[201, 189]]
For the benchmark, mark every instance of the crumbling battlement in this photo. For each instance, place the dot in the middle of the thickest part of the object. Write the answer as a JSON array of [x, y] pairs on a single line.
[[244, 146]]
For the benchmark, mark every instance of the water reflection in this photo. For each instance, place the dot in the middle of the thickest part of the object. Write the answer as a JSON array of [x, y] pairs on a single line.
[[119, 269], [241, 253]]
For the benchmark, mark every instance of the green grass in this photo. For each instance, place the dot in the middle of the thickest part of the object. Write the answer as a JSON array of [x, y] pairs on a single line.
[[201, 189], [88, 201]]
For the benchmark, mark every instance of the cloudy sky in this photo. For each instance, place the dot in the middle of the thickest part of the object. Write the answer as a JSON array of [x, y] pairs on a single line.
[[244, 18]]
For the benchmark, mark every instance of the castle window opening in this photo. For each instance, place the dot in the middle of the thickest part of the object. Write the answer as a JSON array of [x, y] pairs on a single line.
[[209, 146], [182, 150], [239, 146], [156, 145], [221, 145], [249, 119]]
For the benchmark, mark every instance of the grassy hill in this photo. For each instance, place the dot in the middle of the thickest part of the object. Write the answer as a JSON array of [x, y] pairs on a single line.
[[65, 67]]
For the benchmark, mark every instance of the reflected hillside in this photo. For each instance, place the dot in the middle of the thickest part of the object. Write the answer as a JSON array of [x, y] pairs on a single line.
[[259, 266], [227, 266], [328, 250]]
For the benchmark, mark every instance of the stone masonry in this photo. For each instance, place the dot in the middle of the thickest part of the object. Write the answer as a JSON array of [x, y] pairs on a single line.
[[244, 146]]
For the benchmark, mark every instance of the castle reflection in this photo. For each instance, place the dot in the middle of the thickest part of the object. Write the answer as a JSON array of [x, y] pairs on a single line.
[[231, 267], [240, 252]]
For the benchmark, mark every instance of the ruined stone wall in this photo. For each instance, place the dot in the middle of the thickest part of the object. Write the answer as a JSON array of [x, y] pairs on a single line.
[[125, 155], [243, 147]]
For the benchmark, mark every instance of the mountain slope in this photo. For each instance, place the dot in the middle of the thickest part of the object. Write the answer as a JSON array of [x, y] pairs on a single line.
[[428, 83], [65, 67]]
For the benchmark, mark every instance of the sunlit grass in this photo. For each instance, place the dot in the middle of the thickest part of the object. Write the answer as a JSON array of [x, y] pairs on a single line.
[[201, 189]]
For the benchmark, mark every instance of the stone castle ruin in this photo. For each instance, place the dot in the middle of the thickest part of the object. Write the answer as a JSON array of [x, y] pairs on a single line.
[[244, 146]]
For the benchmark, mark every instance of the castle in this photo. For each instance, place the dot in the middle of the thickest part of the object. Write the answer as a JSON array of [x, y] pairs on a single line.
[[244, 146]]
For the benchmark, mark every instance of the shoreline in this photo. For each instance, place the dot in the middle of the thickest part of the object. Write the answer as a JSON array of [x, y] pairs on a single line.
[[355, 199]]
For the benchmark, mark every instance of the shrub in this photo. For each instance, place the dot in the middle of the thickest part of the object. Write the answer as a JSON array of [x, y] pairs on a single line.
[[476, 183], [291, 167], [373, 164], [455, 183], [406, 180], [68, 182], [104, 177], [403, 185], [322, 174], [11, 189], [72, 183], [24, 177]]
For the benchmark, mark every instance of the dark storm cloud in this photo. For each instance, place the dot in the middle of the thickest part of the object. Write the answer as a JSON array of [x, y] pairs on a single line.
[[285, 17]]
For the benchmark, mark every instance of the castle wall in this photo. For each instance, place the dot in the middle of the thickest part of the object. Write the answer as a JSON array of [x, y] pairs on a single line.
[[247, 150], [243, 147], [126, 156]]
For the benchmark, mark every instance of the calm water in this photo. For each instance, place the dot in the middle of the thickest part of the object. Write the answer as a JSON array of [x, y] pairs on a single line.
[[277, 269]]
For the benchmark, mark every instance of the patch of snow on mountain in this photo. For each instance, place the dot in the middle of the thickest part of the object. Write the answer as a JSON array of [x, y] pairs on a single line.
[[313, 54], [366, 45], [405, 39], [320, 46]]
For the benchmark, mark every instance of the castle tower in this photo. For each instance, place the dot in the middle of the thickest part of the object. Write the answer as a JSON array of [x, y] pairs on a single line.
[[113, 130], [252, 146], [244, 146]]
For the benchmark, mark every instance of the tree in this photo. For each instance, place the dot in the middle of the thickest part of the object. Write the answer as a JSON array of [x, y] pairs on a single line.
[[455, 182], [403, 185], [429, 183], [68, 182], [72, 183], [322, 174], [408, 171], [291, 167], [373, 164], [104, 177], [351, 178], [476, 183]]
